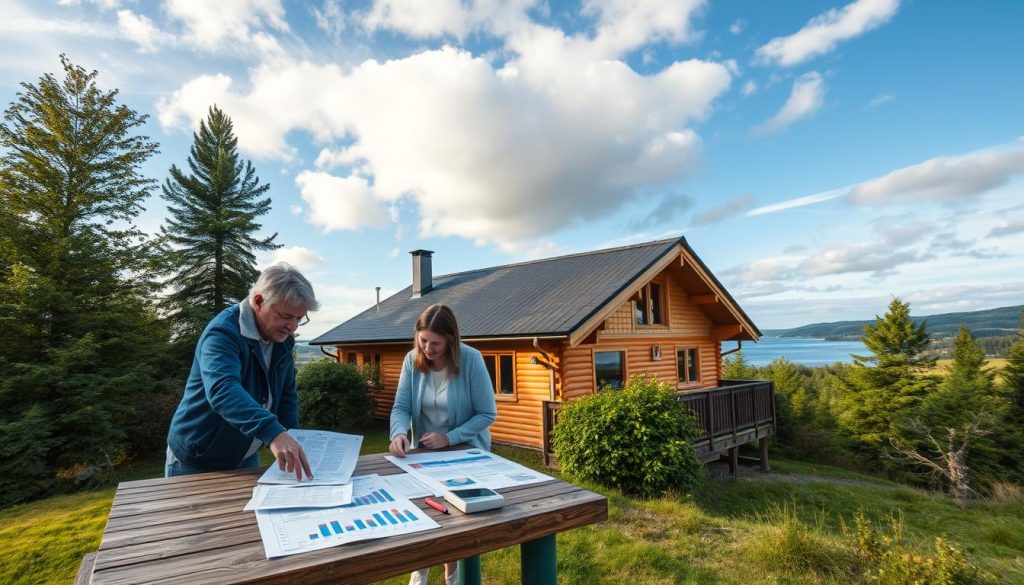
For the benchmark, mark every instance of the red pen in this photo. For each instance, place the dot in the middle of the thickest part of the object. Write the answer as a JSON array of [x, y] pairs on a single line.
[[436, 505]]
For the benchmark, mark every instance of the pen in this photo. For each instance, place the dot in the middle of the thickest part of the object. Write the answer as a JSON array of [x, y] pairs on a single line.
[[435, 505]]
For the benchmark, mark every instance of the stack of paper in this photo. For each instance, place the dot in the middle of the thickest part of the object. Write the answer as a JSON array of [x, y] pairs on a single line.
[[333, 508]]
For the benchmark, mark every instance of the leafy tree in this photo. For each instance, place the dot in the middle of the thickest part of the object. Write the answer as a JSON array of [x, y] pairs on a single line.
[[887, 385], [213, 210], [334, 396], [79, 336]]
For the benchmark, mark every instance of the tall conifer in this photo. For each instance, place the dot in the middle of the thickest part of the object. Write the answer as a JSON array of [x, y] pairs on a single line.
[[212, 226], [79, 336]]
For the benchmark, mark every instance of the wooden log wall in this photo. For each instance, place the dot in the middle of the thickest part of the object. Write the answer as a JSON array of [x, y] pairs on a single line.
[[519, 416]]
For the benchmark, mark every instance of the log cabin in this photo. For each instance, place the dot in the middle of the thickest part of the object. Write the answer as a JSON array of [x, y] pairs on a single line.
[[556, 329]]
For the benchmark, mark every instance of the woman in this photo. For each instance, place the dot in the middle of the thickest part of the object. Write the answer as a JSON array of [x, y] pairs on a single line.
[[444, 394]]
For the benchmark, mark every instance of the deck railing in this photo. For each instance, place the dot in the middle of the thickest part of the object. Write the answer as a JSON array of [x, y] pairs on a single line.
[[732, 414]]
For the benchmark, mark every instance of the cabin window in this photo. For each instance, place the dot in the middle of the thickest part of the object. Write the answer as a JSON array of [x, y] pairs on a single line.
[[371, 359], [648, 307], [501, 367], [688, 365], [350, 357], [609, 367]]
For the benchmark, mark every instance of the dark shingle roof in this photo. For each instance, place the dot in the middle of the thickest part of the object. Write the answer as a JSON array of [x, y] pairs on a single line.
[[538, 298]]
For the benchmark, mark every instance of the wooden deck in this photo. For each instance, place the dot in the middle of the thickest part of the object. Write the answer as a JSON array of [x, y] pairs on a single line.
[[735, 413]]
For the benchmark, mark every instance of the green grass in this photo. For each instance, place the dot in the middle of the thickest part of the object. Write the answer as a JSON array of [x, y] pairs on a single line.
[[784, 529]]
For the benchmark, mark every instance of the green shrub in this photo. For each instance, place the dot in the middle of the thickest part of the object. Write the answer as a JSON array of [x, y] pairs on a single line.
[[333, 396], [637, 440], [886, 559], [782, 542]]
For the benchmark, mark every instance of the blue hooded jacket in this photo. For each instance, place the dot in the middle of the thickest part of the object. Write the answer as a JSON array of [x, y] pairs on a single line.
[[221, 411]]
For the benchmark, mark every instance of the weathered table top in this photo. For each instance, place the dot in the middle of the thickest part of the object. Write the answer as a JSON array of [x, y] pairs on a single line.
[[193, 530]]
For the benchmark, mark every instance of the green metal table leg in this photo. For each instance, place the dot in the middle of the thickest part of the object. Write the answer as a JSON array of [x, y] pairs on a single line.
[[539, 563], [469, 571]]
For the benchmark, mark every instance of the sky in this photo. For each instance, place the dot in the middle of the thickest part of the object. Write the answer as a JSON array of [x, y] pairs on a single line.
[[821, 157]]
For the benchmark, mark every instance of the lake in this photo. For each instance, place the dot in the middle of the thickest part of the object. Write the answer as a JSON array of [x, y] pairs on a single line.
[[809, 352]]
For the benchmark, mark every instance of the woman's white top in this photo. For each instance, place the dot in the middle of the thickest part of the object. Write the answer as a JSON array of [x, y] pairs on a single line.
[[434, 401]]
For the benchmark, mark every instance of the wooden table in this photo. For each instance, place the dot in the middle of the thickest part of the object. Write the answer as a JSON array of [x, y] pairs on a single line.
[[193, 530]]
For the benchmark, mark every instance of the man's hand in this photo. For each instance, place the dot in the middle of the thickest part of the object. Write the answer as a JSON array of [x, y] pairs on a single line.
[[399, 445], [290, 456], [434, 440]]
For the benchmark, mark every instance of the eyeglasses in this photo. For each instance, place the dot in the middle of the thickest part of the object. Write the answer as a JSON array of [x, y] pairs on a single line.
[[299, 320]]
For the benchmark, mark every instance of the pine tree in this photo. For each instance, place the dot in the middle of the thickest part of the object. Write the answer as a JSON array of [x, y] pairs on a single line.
[[79, 335], [884, 387], [211, 230], [1012, 432], [736, 367], [967, 398]]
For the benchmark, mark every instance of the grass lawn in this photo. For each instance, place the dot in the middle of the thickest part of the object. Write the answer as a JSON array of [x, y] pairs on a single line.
[[786, 527]]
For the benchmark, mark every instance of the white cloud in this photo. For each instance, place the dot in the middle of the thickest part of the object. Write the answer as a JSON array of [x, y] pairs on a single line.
[[806, 98], [210, 25], [331, 19], [302, 258], [624, 25], [444, 130], [339, 203], [420, 18], [944, 178], [1015, 226], [798, 202], [825, 31], [724, 211], [749, 88], [295, 209], [737, 26], [140, 30], [880, 99]]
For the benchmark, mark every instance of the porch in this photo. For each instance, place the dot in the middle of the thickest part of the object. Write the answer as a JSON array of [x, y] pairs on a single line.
[[735, 413]]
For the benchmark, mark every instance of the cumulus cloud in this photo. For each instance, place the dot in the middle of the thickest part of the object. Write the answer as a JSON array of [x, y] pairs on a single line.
[[943, 178], [737, 26], [140, 29], [210, 25], [724, 211], [825, 31], [557, 136], [302, 258], [340, 203], [806, 98], [331, 18]]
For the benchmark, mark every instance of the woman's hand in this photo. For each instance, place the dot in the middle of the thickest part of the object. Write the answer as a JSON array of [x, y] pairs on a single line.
[[434, 440], [399, 445]]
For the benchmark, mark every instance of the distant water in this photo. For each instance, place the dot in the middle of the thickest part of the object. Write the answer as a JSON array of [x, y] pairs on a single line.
[[809, 352]]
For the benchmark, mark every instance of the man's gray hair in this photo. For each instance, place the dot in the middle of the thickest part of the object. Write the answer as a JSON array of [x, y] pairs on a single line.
[[283, 283]]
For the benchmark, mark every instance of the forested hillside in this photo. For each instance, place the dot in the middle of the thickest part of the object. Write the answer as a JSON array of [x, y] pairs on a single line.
[[1003, 321]]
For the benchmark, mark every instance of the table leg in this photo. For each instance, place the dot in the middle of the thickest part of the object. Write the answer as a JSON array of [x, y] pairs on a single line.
[[539, 563], [469, 571]]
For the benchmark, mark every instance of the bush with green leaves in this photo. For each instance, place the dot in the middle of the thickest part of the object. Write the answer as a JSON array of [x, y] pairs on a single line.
[[333, 396], [637, 440]]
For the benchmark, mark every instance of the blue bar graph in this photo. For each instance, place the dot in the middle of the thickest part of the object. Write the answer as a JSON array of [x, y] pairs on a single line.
[[386, 495], [388, 515], [410, 515], [379, 520], [360, 524], [398, 515], [324, 530], [336, 526]]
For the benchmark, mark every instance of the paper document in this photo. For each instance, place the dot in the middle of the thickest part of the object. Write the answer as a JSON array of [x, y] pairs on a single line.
[[453, 469], [280, 497], [332, 458], [408, 486], [375, 512]]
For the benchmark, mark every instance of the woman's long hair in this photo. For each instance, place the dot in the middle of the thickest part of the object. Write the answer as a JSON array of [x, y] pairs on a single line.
[[438, 319]]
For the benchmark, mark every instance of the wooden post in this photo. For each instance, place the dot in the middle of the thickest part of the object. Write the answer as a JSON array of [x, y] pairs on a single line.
[[539, 563], [762, 447], [469, 571], [734, 461]]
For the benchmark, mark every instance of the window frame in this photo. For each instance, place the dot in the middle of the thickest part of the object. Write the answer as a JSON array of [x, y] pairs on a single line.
[[683, 366], [644, 293], [496, 382], [625, 364]]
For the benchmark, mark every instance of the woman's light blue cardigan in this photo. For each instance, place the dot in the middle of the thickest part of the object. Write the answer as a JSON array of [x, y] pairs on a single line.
[[471, 405]]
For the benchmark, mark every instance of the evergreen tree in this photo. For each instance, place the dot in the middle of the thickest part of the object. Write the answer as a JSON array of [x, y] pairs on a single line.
[[736, 367], [886, 386], [966, 397], [213, 209], [1013, 389], [78, 331]]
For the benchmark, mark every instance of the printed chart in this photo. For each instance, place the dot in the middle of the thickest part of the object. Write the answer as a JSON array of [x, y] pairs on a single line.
[[374, 513]]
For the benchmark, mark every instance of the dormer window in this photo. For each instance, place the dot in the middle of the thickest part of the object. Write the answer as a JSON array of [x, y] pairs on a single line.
[[647, 308]]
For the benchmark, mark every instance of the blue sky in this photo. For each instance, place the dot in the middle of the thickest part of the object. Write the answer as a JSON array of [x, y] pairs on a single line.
[[819, 156]]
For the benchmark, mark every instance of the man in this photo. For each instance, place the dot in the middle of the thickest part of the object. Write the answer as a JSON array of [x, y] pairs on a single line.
[[241, 393]]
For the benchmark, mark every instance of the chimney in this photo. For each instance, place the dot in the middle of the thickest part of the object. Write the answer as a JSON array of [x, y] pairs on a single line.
[[378, 299], [422, 279]]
